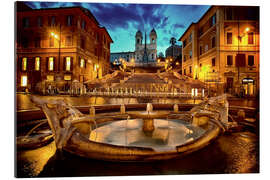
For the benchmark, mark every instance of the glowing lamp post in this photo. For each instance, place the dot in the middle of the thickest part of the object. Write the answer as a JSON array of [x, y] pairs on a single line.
[[55, 36], [196, 72]]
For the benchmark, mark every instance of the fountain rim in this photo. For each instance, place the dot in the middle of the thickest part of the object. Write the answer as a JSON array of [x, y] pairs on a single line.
[[108, 152]]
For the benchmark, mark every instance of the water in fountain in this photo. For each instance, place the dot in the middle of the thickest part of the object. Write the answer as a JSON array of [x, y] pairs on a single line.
[[166, 136]]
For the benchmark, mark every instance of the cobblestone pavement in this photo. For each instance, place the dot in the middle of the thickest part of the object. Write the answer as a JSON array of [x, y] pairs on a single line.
[[230, 153]]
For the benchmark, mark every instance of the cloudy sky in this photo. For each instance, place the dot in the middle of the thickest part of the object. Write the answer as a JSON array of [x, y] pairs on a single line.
[[123, 20]]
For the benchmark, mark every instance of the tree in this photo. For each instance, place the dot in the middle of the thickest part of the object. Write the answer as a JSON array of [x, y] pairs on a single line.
[[172, 41], [161, 55]]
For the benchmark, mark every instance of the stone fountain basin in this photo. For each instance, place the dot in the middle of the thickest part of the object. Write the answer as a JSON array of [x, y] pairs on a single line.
[[80, 145], [150, 115]]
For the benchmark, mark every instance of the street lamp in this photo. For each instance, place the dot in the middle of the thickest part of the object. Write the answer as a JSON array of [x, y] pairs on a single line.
[[59, 45], [196, 72]]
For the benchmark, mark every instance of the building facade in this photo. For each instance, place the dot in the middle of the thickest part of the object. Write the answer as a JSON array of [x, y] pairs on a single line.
[[174, 51], [56, 46], [151, 48], [222, 49], [127, 56]]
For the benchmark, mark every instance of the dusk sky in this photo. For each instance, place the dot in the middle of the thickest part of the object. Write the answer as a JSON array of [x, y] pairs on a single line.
[[123, 20]]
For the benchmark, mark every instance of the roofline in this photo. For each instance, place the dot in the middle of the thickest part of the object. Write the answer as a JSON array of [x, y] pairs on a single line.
[[186, 30], [70, 7], [107, 32], [211, 7], [122, 52]]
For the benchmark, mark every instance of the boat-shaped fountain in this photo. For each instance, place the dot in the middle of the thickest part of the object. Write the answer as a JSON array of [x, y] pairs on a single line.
[[138, 135]]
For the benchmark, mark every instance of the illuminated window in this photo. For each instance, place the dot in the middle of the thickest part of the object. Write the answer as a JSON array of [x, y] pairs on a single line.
[[68, 63], [82, 63], [37, 63], [51, 64], [24, 64], [24, 81]]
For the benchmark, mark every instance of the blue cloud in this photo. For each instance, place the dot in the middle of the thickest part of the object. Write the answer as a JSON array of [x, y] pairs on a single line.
[[123, 20]]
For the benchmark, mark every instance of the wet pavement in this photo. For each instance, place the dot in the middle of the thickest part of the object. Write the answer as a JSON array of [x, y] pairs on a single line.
[[230, 153]]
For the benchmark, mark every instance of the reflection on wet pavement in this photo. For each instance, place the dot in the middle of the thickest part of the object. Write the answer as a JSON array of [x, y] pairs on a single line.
[[230, 153]]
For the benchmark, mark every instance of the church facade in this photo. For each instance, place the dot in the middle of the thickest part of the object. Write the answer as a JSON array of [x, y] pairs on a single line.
[[144, 53]]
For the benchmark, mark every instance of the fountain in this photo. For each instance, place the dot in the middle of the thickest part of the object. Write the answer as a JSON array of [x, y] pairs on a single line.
[[134, 135]]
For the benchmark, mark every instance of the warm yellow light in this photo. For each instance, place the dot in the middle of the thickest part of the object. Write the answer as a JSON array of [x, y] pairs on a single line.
[[177, 63], [167, 60], [205, 69], [67, 77], [50, 77], [196, 66], [96, 67], [68, 63], [24, 81], [247, 29], [37, 63], [158, 60], [24, 63], [50, 63], [52, 33], [82, 63]]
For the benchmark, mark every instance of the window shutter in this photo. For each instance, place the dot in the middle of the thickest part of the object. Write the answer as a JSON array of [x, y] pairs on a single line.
[[47, 64], [19, 65], [71, 63], [31, 66], [64, 64], [79, 61], [54, 63]]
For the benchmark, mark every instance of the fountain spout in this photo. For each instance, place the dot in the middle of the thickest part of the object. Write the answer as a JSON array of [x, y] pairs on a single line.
[[149, 108]]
